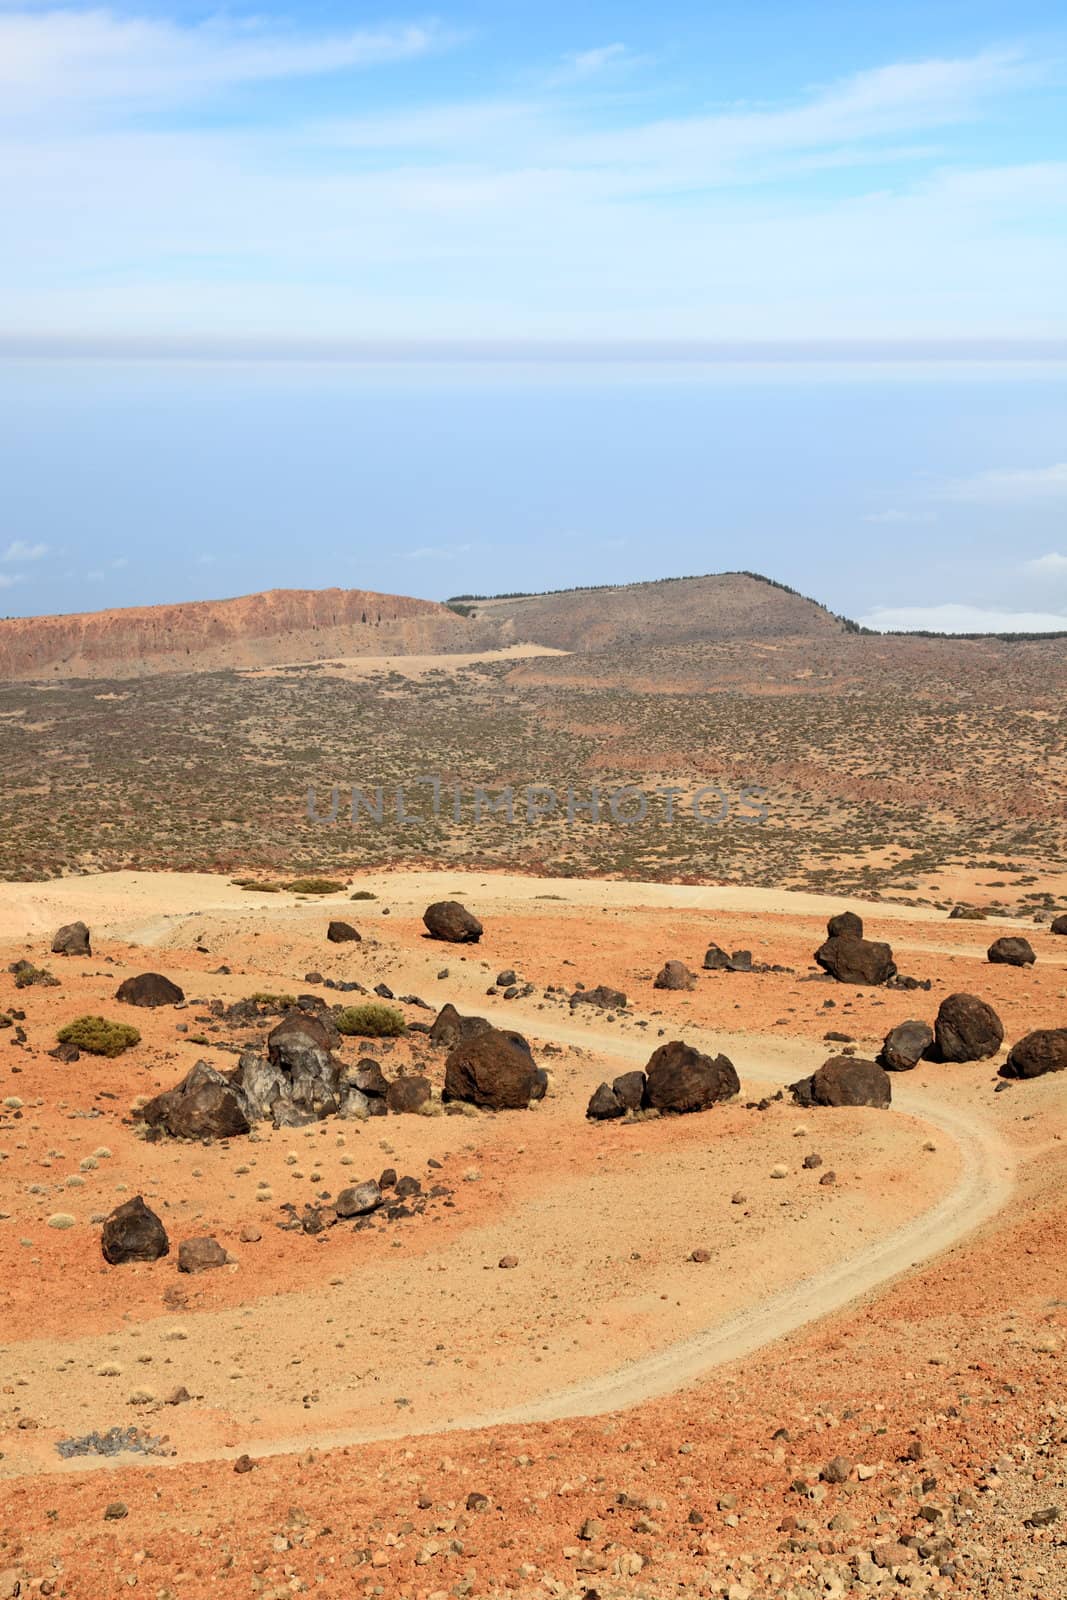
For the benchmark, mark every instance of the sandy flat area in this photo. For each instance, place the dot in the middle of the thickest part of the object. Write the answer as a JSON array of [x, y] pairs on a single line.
[[410, 1330]]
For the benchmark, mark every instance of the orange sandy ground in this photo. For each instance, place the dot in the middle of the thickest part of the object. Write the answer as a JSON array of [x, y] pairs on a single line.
[[302, 1337]]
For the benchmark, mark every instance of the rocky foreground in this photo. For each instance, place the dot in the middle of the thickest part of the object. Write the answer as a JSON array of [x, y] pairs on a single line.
[[306, 1406]]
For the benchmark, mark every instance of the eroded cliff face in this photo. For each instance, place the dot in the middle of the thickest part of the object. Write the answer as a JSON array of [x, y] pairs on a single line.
[[254, 630]]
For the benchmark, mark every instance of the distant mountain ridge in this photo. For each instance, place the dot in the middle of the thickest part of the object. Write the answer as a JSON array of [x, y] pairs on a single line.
[[253, 630], [716, 607], [296, 625]]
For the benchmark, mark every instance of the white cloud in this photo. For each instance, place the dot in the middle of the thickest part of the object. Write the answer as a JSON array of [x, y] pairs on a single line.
[[71, 57], [1051, 566], [450, 222], [963, 619], [1009, 486], [9, 580], [120, 562], [588, 63], [893, 516], [19, 550]]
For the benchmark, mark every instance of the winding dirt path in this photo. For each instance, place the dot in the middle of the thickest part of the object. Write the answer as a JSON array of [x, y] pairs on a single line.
[[984, 1186]]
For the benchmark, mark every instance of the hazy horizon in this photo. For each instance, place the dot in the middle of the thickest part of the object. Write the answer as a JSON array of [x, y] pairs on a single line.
[[486, 302]]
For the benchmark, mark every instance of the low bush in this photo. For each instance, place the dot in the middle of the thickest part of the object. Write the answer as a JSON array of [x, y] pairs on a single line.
[[313, 886], [98, 1036], [371, 1021]]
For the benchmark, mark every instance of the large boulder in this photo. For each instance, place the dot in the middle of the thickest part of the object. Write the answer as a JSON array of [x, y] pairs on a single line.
[[201, 1255], [133, 1233], [343, 933], [605, 998], [493, 1070], [604, 1105], [680, 1078], [300, 1080], [449, 1028], [1059, 924], [408, 1093], [616, 1099], [845, 925], [359, 1200], [149, 989], [845, 1081], [72, 939], [205, 1105], [318, 1025], [905, 1045], [1044, 1050], [716, 959], [852, 960], [674, 975], [967, 1029], [447, 919], [629, 1090], [1011, 951]]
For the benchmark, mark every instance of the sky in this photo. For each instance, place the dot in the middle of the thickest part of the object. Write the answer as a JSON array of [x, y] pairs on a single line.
[[489, 298]]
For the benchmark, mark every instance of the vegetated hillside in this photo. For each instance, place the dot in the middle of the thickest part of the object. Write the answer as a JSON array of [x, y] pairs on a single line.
[[255, 630], [729, 605], [947, 671]]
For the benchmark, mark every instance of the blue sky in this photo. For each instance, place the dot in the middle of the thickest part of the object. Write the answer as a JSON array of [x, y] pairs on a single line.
[[540, 186]]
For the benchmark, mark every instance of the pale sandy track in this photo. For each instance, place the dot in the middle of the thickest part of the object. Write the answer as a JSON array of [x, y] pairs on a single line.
[[984, 1185], [150, 909], [145, 906]]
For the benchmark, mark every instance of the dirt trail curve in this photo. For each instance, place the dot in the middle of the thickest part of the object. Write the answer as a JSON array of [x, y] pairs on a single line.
[[984, 1185], [131, 904]]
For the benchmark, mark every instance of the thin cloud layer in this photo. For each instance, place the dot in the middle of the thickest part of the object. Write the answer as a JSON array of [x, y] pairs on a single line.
[[953, 618], [238, 178], [1011, 486]]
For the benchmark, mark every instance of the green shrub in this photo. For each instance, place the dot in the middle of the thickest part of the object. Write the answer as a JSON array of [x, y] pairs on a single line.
[[98, 1036], [28, 975], [363, 894], [371, 1021], [258, 885], [273, 1002], [313, 886]]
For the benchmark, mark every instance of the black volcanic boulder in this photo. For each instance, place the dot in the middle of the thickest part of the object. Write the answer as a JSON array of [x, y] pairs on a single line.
[[133, 1233], [679, 1078], [845, 925], [1011, 951], [149, 989], [493, 1070], [449, 1028], [852, 960], [205, 1105], [845, 1081], [71, 940], [201, 1255], [1044, 1050], [342, 933], [359, 1200], [629, 1090], [602, 996], [615, 1099], [299, 1081], [408, 1093], [716, 959], [318, 1025], [674, 975], [905, 1045], [967, 1029], [604, 1105], [1059, 924], [447, 919]]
